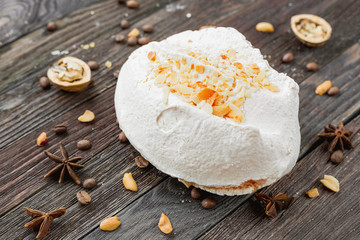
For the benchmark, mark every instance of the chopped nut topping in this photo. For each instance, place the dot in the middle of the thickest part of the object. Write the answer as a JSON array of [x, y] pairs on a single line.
[[134, 33], [218, 86]]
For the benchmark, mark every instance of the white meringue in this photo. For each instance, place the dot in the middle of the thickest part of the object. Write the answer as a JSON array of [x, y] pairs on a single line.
[[217, 154]]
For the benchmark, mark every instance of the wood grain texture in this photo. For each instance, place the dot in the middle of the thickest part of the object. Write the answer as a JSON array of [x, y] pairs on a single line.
[[329, 216], [26, 110], [20, 17]]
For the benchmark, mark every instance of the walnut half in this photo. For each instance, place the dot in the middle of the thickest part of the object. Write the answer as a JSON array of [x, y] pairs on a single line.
[[70, 74], [310, 29]]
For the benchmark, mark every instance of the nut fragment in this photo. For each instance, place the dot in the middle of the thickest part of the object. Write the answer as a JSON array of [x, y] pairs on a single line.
[[152, 56], [323, 88], [70, 74], [134, 33], [336, 157], [88, 116], [141, 162], [44, 83], [313, 193], [333, 91], [312, 66], [129, 182], [122, 137], [264, 27], [83, 198], [108, 64], [42, 139], [203, 27], [310, 29], [110, 224], [165, 224], [331, 183]]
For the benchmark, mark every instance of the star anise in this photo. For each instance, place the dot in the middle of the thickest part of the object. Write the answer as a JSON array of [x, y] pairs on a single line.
[[65, 164], [274, 204], [42, 220], [338, 138]]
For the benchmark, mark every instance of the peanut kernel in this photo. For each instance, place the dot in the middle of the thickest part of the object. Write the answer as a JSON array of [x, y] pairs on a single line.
[[129, 182], [88, 116], [313, 193], [331, 183], [264, 27], [152, 56], [165, 224], [200, 68], [110, 224], [134, 33], [323, 88], [42, 139]]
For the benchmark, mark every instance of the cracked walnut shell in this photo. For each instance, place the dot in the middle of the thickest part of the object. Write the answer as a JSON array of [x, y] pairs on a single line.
[[311, 30], [70, 74]]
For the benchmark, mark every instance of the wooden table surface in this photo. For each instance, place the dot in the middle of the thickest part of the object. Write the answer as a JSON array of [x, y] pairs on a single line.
[[26, 110]]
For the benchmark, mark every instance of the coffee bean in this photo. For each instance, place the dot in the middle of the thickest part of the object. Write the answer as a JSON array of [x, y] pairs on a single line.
[[44, 83], [93, 65], [83, 144], [116, 74], [208, 203], [195, 193], [333, 91], [288, 57], [132, 41], [147, 28], [121, 1], [119, 38], [51, 26], [143, 40], [83, 198], [122, 137], [336, 157], [60, 129], [124, 24], [141, 162], [312, 67], [89, 183], [132, 4]]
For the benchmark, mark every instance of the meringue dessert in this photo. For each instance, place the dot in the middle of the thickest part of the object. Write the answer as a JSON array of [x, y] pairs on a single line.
[[206, 108]]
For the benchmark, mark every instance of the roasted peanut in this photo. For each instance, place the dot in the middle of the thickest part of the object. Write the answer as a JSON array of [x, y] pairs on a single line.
[[313, 193], [165, 224], [88, 116], [264, 27], [331, 183], [110, 224], [42, 139], [129, 182], [323, 88]]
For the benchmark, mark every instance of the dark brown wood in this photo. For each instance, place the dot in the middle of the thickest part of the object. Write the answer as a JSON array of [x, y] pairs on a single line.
[[26, 110], [20, 17], [329, 216]]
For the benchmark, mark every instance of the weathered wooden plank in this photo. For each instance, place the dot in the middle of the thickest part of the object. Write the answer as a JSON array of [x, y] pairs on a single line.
[[72, 105], [329, 216], [20, 17]]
